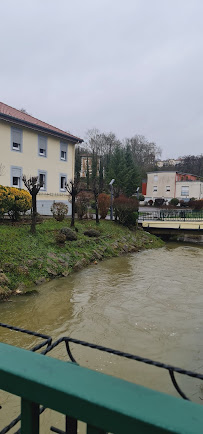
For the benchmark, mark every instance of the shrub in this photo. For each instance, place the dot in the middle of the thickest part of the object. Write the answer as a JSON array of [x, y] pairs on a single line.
[[197, 205], [159, 202], [59, 210], [6, 200], [126, 210], [22, 203], [82, 203], [14, 201], [92, 233], [60, 238], [69, 234], [174, 201], [141, 197], [103, 204], [184, 203]]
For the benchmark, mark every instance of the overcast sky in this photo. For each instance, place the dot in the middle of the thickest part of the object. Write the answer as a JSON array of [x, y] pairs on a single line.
[[127, 66]]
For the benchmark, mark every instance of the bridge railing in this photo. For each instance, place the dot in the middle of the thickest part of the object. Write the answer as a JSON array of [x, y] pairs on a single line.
[[171, 215], [104, 403]]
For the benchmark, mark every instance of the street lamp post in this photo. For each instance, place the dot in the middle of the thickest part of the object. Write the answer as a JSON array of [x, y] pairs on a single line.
[[111, 208], [137, 191]]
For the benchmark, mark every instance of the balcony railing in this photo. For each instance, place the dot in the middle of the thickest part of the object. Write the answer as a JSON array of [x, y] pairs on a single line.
[[103, 403]]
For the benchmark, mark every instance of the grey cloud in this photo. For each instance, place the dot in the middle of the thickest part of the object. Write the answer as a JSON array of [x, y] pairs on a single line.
[[132, 67]]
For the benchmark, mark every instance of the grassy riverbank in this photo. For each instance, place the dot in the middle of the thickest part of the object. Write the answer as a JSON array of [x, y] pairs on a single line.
[[26, 260]]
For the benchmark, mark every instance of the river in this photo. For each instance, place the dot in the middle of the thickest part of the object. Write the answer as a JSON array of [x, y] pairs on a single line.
[[148, 303]]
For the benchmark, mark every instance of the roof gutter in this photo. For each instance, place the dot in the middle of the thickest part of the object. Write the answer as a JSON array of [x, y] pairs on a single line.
[[40, 128]]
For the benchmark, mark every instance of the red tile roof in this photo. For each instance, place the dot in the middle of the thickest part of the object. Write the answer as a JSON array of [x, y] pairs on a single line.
[[9, 112]]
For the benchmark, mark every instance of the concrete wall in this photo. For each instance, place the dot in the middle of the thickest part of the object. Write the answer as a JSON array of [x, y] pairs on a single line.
[[31, 163], [195, 189], [160, 181], [43, 206]]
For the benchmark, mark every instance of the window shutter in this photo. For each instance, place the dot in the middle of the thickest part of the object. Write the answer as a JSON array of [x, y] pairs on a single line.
[[42, 142], [16, 172], [64, 147], [16, 136]]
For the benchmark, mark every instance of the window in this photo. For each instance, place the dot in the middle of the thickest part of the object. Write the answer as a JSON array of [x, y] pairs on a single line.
[[155, 188], [16, 139], [63, 151], [16, 176], [155, 178], [168, 188], [42, 180], [185, 191], [63, 182], [42, 146]]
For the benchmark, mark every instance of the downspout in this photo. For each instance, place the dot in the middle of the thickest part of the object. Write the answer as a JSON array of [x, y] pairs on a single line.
[[175, 185]]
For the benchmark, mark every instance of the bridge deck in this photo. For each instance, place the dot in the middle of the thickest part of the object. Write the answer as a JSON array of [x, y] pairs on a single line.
[[177, 225]]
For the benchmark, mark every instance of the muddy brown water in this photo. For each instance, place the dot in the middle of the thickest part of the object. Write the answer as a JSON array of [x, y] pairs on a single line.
[[148, 303]]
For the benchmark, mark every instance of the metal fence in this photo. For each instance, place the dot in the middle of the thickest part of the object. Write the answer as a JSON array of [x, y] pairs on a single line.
[[171, 215], [104, 403]]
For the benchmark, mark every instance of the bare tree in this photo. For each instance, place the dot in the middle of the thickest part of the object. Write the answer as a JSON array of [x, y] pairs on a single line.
[[33, 185], [73, 188], [101, 143]]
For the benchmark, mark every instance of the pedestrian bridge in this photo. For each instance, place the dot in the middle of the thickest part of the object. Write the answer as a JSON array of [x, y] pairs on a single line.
[[174, 225], [167, 222]]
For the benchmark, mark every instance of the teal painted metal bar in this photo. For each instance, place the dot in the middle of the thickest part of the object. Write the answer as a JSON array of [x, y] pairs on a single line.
[[93, 430], [101, 401]]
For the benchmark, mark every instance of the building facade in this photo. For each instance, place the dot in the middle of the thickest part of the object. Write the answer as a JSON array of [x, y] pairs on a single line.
[[167, 185], [31, 147], [86, 160]]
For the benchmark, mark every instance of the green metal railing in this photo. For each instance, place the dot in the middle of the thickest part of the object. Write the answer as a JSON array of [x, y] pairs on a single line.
[[104, 403], [171, 215]]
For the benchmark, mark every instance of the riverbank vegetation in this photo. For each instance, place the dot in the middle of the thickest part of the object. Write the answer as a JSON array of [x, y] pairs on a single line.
[[28, 260]]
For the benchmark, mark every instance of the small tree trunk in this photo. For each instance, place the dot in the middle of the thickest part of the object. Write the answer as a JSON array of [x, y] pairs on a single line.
[[97, 212], [73, 211], [34, 214]]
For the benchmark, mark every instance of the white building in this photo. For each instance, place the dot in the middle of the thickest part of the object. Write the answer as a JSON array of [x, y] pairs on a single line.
[[169, 162], [168, 185]]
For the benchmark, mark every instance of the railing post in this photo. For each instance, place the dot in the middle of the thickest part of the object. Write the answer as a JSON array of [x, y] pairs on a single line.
[[29, 417], [71, 425]]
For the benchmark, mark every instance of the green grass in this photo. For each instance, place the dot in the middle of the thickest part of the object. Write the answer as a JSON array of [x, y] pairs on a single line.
[[25, 258]]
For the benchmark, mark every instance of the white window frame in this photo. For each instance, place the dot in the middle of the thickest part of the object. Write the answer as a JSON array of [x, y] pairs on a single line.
[[168, 188], [62, 175], [19, 146], [44, 173], [185, 193], [19, 169], [155, 178], [155, 188]]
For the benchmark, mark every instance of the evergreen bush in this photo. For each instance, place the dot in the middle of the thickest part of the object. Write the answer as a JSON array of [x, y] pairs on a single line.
[[174, 201]]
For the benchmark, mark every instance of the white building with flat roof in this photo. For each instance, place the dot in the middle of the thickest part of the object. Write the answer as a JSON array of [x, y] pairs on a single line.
[[167, 185]]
